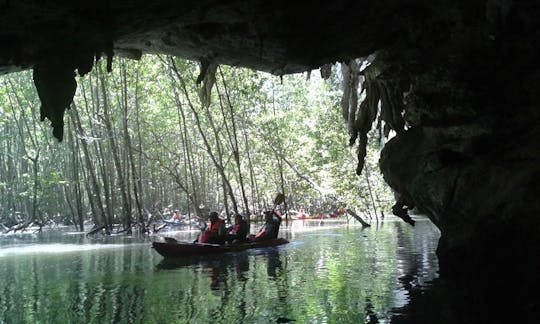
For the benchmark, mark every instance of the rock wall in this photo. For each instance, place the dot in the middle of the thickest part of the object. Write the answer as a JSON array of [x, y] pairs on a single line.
[[470, 157]]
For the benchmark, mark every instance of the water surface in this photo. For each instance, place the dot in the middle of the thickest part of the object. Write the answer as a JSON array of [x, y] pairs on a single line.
[[329, 273]]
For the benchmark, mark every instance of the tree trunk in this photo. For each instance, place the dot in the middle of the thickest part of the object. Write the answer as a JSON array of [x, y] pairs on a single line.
[[96, 141], [192, 184], [366, 174], [94, 192], [358, 218], [116, 155], [220, 168], [136, 178], [233, 138], [12, 96]]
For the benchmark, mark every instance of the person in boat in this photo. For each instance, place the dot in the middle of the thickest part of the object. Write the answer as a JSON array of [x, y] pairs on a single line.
[[176, 216], [270, 230], [239, 231], [216, 232]]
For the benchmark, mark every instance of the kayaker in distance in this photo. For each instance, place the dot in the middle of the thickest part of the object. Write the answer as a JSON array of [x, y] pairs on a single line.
[[216, 233], [176, 216], [302, 214]]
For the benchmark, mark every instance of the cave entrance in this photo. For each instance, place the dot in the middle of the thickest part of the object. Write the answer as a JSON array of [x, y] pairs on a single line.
[[164, 134]]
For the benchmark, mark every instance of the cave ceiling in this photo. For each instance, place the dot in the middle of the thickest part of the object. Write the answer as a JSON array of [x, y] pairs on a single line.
[[60, 38], [275, 36]]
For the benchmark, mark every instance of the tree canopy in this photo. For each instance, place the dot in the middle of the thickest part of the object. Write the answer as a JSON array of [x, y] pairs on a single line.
[[149, 137]]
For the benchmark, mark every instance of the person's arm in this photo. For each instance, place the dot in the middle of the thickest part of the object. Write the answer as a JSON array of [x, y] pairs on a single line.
[[262, 231]]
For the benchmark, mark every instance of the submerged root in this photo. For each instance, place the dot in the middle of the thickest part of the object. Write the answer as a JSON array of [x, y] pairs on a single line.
[[23, 226], [159, 228], [97, 230], [358, 218]]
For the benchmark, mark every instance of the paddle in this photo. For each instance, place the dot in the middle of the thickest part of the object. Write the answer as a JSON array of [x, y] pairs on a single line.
[[280, 198]]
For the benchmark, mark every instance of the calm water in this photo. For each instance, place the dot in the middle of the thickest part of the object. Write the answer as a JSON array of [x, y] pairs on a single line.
[[327, 274]]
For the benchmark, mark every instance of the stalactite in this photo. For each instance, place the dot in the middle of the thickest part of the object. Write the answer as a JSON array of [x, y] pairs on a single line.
[[56, 85], [346, 88], [353, 103], [326, 71], [206, 79], [383, 97], [391, 104]]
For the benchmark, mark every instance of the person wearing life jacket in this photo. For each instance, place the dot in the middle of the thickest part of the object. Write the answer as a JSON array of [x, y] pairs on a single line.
[[176, 216], [216, 232], [239, 230], [270, 229]]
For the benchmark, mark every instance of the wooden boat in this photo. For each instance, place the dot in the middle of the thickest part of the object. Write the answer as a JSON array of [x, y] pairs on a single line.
[[172, 248], [183, 222], [173, 222]]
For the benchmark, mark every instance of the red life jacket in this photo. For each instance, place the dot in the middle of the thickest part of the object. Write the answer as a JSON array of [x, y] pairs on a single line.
[[211, 232], [214, 227], [204, 237]]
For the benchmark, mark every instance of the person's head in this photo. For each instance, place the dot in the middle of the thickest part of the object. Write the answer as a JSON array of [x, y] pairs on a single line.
[[237, 218], [268, 216], [213, 216]]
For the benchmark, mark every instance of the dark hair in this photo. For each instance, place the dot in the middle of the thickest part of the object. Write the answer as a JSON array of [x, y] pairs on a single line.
[[214, 214]]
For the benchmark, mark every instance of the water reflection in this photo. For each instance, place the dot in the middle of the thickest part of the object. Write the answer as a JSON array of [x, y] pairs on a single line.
[[334, 274], [221, 270], [54, 248]]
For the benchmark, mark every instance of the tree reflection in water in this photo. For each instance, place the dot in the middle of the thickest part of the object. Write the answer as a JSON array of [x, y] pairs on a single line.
[[343, 275]]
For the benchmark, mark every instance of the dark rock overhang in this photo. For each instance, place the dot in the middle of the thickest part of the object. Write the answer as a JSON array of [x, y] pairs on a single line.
[[486, 46], [275, 36], [57, 38]]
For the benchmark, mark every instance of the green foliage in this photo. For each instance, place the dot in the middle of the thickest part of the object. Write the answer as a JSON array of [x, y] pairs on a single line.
[[288, 131]]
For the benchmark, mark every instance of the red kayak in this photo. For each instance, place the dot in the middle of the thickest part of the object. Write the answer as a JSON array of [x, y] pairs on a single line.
[[173, 248]]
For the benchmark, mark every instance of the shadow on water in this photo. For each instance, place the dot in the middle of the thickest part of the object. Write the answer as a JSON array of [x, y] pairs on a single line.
[[228, 274], [238, 261], [490, 298], [217, 267], [441, 302]]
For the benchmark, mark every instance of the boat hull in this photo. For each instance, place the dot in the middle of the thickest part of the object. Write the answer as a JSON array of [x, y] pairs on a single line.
[[174, 223], [183, 249]]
